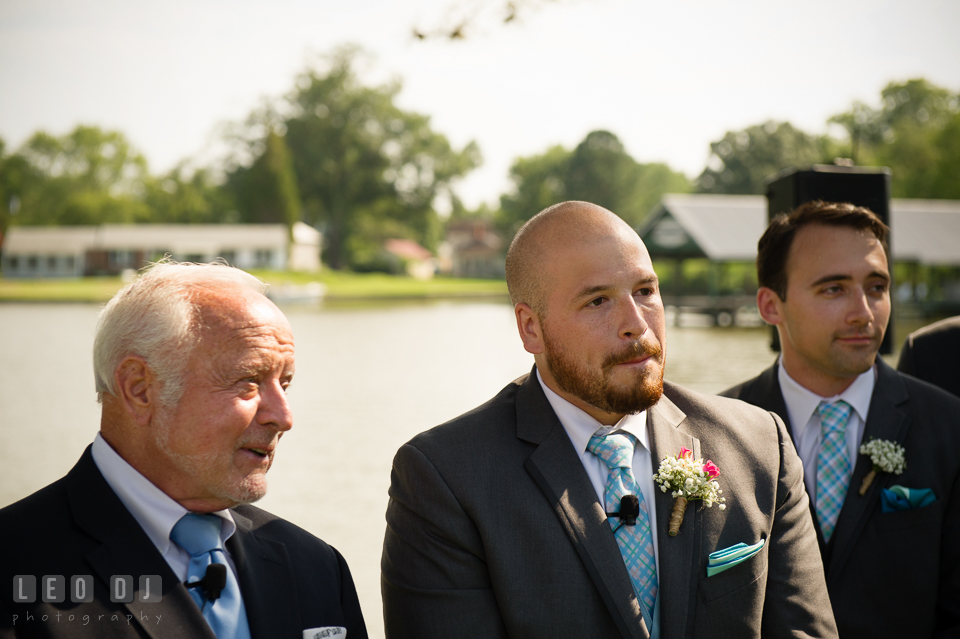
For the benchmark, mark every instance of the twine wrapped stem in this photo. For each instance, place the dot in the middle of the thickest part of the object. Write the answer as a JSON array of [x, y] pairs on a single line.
[[868, 480], [676, 515]]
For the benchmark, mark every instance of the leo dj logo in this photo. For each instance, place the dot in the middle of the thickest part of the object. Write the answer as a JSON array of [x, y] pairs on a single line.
[[53, 589]]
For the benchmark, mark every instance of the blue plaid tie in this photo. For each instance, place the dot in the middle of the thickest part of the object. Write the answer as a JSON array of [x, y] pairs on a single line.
[[636, 542], [833, 464], [199, 535]]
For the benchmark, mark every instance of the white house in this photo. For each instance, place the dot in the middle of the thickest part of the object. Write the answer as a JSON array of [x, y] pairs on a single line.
[[75, 251]]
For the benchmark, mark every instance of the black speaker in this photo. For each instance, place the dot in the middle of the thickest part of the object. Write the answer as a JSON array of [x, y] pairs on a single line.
[[861, 186]]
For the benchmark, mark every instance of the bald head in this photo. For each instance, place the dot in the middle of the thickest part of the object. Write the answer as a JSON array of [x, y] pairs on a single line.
[[588, 307], [545, 236]]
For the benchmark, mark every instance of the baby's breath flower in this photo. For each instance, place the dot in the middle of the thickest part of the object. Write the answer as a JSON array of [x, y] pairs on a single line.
[[886, 456]]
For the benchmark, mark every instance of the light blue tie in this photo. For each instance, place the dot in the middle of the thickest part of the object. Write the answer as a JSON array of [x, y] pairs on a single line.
[[199, 535], [636, 542], [833, 464]]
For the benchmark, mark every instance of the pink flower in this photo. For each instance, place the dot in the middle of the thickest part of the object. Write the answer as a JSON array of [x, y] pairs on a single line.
[[711, 469], [685, 453]]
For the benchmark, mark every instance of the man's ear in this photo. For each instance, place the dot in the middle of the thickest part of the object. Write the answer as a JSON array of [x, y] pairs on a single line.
[[529, 326], [137, 388], [770, 306]]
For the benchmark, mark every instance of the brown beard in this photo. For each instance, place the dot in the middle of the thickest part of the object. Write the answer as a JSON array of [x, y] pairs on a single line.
[[594, 387]]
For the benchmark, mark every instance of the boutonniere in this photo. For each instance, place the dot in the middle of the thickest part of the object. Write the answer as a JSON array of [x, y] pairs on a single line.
[[689, 479], [887, 457]]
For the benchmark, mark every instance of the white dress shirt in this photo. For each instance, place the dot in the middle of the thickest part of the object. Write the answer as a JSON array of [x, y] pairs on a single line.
[[805, 420], [153, 509], [580, 427]]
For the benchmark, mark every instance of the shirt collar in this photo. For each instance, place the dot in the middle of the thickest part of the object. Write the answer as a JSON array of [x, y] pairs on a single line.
[[154, 510], [581, 427], [801, 402]]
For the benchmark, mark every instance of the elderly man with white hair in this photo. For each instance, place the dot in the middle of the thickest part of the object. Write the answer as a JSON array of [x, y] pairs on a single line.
[[151, 534]]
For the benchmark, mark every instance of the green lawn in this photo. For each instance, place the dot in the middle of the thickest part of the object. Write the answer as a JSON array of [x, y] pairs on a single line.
[[340, 286], [87, 289]]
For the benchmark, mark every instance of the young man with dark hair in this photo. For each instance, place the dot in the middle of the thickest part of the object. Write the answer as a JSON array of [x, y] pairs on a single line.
[[887, 538]]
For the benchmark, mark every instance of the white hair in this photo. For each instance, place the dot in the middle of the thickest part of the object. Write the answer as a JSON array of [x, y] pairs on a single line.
[[157, 318]]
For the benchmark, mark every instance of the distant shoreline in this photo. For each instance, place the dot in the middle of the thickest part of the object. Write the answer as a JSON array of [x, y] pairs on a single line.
[[340, 288]]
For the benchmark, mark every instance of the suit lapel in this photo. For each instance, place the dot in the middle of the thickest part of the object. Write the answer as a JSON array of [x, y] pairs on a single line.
[[765, 393], [266, 581], [556, 469], [679, 560], [127, 550], [885, 420]]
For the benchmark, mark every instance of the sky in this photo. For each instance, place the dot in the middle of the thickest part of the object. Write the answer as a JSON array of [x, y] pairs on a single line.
[[666, 77]]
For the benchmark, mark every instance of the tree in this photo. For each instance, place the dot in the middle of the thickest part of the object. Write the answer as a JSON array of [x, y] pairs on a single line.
[[538, 182], [88, 176], [913, 133], [862, 124], [189, 196], [598, 170], [461, 18], [267, 192], [93, 176], [360, 161], [945, 178], [916, 101], [656, 179], [602, 172], [741, 161], [5, 195], [914, 121]]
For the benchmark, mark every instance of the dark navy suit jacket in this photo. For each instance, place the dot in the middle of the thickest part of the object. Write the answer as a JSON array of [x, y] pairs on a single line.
[[893, 574], [933, 355], [290, 580]]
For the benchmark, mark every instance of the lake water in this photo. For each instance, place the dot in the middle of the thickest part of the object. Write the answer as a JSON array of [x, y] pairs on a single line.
[[380, 373]]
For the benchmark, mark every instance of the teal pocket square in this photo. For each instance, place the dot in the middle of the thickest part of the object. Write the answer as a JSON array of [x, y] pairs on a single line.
[[729, 557], [897, 498]]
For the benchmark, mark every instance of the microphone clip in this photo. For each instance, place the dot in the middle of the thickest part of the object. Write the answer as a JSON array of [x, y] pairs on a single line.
[[213, 582], [629, 510]]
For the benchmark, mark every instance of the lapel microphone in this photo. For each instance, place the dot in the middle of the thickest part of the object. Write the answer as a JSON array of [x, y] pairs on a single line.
[[629, 510], [213, 582]]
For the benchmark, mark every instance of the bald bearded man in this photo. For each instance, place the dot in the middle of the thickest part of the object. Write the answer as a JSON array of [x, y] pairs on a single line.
[[507, 521]]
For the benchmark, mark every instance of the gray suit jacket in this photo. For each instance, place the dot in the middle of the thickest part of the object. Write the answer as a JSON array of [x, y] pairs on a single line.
[[290, 580], [893, 574], [494, 530]]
